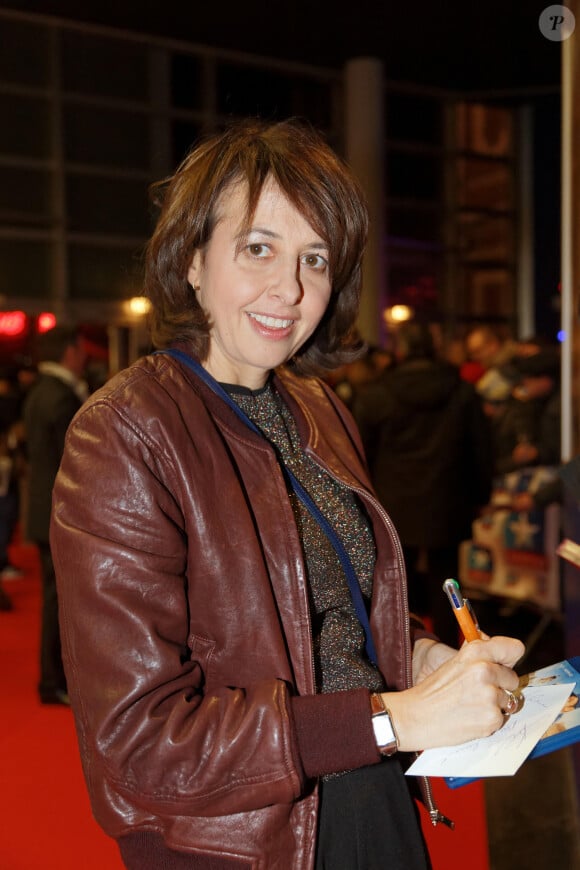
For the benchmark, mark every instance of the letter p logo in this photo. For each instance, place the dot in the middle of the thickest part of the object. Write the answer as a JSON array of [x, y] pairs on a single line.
[[557, 23]]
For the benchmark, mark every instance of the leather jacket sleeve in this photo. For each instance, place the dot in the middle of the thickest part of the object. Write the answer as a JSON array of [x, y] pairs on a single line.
[[151, 733]]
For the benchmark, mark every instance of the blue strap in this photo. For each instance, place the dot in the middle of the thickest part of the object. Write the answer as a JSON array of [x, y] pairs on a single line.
[[301, 493]]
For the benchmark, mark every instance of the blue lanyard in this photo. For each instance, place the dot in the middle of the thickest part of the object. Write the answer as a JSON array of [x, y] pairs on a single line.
[[301, 493]]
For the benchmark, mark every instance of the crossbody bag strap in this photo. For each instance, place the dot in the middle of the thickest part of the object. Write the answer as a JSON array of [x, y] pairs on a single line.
[[301, 493]]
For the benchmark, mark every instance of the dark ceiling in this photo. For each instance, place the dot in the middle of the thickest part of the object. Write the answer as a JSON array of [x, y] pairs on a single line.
[[458, 44]]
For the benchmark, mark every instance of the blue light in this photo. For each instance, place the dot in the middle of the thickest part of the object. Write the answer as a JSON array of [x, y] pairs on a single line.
[[561, 335]]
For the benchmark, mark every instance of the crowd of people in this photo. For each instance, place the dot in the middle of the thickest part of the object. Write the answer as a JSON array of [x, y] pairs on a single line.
[[15, 381], [37, 404], [440, 422]]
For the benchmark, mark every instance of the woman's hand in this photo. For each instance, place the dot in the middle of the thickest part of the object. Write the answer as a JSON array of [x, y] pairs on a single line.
[[428, 655], [458, 696]]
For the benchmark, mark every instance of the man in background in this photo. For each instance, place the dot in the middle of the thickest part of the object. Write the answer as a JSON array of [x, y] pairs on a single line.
[[49, 407], [428, 445]]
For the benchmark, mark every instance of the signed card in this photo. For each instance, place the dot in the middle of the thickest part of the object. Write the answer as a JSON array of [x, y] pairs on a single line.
[[502, 753]]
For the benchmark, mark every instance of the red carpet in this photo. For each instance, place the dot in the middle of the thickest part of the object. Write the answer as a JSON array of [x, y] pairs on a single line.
[[44, 808]]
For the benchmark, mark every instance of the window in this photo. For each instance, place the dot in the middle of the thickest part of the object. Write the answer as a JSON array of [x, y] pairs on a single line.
[[412, 118], [25, 197], [106, 137], [105, 205], [186, 81], [25, 53], [104, 67], [25, 126], [102, 273], [184, 136], [273, 95], [413, 176], [26, 267]]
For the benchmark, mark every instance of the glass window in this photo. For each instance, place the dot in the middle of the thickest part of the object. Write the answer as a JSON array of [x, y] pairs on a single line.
[[250, 91], [186, 81], [96, 272], [413, 118], [413, 176], [25, 126], [413, 223], [184, 135], [24, 58], [106, 137], [105, 205], [24, 197], [26, 268], [313, 99], [414, 278], [104, 67]]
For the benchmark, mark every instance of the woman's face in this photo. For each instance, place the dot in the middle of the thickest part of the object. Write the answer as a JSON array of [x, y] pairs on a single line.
[[264, 289]]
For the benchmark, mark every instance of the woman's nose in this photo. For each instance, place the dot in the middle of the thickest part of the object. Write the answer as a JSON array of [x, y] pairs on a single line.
[[287, 284]]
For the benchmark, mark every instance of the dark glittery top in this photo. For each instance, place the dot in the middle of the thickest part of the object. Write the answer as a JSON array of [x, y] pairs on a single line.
[[338, 638]]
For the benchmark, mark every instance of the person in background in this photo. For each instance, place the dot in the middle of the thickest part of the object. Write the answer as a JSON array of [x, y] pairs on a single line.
[[429, 450], [9, 418], [486, 347], [349, 379], [244, 674], [491, 353], [527, 430], [49, 407], [454, 350]]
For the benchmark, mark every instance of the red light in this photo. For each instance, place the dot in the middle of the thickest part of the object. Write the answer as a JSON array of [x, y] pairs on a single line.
[[46, 321], [12, 323]]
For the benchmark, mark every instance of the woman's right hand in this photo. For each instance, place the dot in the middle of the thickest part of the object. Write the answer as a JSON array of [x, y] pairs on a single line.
[[461, 700]]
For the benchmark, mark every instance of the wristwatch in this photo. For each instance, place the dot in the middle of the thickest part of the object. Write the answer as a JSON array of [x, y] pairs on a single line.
[[385, 733]]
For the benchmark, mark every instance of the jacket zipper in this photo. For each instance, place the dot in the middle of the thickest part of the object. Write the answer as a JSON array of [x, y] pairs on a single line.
[[435, 815]]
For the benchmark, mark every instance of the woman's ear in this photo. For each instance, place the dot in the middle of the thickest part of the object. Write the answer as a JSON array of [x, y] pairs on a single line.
[[194, 271]]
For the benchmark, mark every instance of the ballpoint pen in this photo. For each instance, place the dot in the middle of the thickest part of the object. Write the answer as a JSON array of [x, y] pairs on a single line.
[[463, 611]]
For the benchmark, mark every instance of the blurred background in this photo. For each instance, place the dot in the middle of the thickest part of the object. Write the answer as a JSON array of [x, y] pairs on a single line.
[[462, 122], [452, 119]]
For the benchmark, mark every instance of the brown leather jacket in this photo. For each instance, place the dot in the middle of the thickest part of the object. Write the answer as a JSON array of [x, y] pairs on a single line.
[[184, 611]]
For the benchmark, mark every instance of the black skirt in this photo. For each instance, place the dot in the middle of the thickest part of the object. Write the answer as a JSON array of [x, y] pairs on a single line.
[[369, 821]]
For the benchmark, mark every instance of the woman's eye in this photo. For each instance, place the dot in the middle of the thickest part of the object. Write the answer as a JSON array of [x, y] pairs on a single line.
[[315, 261], [257, 249]]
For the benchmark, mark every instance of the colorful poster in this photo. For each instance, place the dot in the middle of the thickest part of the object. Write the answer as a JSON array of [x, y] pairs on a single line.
[[513, 554]]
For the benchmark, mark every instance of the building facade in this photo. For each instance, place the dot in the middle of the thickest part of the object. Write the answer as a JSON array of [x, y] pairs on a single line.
[[91, 116]]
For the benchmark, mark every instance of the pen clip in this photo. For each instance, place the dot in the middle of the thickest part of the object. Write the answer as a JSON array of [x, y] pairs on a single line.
[[467, 603]]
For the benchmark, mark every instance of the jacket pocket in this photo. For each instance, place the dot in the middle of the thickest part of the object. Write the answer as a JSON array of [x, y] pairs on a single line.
[[201, 652]]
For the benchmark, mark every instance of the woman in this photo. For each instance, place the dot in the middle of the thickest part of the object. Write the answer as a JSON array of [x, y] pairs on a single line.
[[211, 504]]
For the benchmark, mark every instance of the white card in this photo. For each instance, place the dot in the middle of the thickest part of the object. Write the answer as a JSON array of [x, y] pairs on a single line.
[[502, 753]]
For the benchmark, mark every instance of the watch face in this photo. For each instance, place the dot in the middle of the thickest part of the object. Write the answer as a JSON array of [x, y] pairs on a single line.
[[384, 734]]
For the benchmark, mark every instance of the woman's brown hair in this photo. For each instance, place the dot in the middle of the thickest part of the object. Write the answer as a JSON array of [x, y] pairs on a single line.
[[317, 183]]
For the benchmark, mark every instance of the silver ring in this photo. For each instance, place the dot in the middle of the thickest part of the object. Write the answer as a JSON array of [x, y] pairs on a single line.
[[512, 704]]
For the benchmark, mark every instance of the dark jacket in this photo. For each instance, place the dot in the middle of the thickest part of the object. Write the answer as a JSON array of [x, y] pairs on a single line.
[[429, 449], [537, 421], [49, 407], [186, 626]]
